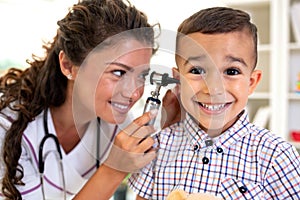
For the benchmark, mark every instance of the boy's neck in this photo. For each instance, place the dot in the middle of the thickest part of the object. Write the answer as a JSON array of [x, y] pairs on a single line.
[[217, 132]]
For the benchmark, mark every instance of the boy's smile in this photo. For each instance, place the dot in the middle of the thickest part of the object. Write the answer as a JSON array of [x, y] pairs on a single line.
[[217, 75], [213, 108]]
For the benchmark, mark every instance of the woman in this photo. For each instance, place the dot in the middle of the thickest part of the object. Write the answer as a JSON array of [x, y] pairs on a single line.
[[93, 73]]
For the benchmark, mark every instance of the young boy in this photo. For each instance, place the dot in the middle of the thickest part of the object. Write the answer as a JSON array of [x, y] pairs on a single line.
[[215, 149]]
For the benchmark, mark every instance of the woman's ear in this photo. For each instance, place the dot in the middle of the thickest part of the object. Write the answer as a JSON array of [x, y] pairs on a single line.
[[66, 66], [255, 78]]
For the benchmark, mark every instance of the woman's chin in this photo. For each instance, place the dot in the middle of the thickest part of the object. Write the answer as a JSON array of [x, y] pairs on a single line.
[[114, 119]]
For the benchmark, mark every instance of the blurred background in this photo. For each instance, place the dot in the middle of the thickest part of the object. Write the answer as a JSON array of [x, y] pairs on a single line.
[[276, 102]]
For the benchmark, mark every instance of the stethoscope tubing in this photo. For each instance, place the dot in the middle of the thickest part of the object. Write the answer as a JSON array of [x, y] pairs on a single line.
[[41, 147], [58, 153]]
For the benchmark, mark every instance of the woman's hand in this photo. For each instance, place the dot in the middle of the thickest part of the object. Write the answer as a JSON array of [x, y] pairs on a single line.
[[171, 108], [133, 148]]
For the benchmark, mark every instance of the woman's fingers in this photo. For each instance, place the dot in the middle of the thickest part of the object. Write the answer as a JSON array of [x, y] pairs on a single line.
[[145, 159], [171, 109], [130, 161], [132, 148], [139, 122], [133, 141]]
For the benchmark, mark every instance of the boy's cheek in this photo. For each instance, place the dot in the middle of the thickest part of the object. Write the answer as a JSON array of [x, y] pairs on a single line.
[[191, 87], [186, 89]]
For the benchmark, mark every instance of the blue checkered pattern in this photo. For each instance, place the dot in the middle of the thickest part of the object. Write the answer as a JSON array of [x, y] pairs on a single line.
[[245, 162]]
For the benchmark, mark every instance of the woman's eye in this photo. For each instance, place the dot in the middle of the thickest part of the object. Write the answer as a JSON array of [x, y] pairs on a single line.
[[232, 71], [143, 76], [119, 73], [140, 81], [197, 70]]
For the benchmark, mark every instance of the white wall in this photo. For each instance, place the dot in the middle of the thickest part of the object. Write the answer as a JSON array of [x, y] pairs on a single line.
[[24, 24], [170, 13]]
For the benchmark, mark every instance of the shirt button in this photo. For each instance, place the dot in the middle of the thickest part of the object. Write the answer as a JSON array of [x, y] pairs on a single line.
[[219, 150], [208, 143], [205, 160], [243, 189], [196, 147]]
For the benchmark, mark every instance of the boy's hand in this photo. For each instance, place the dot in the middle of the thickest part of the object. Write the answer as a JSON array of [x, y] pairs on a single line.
[[133, 148]]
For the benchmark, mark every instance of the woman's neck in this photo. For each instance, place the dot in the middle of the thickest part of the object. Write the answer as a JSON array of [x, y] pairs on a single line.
[[68, 133]]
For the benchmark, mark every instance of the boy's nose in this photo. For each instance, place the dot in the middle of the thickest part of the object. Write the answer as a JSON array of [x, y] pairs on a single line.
[[214, 84]]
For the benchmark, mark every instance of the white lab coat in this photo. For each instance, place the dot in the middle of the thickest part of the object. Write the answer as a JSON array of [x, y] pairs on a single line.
[[78, 165]]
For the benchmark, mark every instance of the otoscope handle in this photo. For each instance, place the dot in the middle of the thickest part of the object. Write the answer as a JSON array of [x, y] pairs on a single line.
[[152, 104]]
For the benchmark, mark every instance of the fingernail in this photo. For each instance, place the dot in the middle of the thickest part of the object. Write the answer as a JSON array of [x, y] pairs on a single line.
[[153, 113]]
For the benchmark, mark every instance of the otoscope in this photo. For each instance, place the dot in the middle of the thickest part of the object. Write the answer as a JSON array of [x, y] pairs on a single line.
[[159, 80]]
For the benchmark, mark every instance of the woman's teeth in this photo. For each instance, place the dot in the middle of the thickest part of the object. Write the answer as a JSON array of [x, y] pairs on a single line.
[[120, 106], [214, 107]]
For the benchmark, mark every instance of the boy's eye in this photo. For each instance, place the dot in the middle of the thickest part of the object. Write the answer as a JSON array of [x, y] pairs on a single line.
[[119, 73], [232, 71], [197, 70]]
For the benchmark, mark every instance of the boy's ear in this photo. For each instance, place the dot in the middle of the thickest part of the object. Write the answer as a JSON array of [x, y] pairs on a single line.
[[66, 66], [255, 78], [175, 72], [176, 75]]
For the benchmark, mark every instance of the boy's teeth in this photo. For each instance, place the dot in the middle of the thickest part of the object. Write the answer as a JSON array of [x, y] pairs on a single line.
[[213, 107]]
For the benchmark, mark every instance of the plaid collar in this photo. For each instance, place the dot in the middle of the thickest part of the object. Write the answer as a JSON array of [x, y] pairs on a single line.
[[202, 140]]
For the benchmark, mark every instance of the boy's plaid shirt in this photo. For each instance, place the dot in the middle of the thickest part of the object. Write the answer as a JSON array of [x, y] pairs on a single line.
[[245, 162]]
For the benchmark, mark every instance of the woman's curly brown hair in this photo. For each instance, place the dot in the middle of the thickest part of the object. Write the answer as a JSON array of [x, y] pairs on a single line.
[[28, 92]]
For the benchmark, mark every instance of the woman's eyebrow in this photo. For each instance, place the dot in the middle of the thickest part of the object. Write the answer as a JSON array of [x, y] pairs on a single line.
[[128, 68]]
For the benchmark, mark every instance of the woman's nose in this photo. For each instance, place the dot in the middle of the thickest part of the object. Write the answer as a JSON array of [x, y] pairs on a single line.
[[131, 89]]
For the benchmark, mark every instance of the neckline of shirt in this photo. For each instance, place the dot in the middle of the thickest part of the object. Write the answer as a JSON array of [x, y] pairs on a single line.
[[202, 141]]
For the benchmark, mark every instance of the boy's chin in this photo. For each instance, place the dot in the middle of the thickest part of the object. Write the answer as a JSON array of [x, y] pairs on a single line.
[[213, 129], [214, 132]]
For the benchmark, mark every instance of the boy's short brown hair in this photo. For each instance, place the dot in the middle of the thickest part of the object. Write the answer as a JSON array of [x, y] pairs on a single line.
[[219, 20]]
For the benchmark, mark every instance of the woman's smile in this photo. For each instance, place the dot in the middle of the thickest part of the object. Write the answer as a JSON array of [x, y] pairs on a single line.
[[122, 108]]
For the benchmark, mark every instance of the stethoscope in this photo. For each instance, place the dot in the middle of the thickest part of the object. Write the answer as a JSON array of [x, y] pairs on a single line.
[[58, 153]]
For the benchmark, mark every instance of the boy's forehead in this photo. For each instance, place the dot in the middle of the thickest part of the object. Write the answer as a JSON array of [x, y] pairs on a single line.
[[238, 44], [189, 47]]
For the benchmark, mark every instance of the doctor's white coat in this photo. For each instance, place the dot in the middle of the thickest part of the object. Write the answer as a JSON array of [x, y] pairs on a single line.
[[78, 165]]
